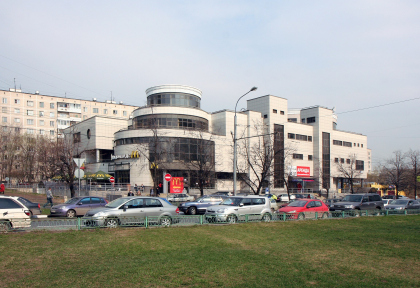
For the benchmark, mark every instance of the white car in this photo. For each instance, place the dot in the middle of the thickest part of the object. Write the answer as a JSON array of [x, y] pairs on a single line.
[[285, 197], [13, 214], [180, 198]]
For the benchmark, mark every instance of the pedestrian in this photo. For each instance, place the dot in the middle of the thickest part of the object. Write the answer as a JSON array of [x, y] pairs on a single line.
[[136, 189], [130, 193], [151, 192], [141, 188], [49, 198], [2, 188]]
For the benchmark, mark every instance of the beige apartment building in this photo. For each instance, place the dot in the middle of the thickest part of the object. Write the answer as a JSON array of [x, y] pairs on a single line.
[[38, 114]]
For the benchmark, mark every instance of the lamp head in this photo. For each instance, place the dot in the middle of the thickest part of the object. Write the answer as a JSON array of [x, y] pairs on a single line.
[[254, 88]]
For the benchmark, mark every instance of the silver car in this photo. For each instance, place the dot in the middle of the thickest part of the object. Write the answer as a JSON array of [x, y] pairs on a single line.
[[234, 208], [133, 211]]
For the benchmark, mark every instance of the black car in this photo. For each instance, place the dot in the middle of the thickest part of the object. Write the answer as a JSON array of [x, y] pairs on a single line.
[[200, 205], [34, 208]]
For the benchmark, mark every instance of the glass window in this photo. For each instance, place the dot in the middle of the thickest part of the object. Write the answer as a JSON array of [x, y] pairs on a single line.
[[17, 120], [41, 122], [51, 123], [85, 109], [52, 105], [105, 111], [95, 200], [4, 101], [30, 131], [52, 114], [85, 201], [95, 110], [115, 112], [41, 104], [41, 113], [8, 204], [17, 110], [30, 112], [52, 132], [4, 119], [30, 121], [17, 101], [30, 103], [124, 113]]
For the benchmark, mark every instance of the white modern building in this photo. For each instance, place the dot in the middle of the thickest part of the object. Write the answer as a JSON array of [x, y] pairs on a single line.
[[312, 148]]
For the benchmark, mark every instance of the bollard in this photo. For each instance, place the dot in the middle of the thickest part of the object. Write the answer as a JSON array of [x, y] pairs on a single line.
[[146, 223]]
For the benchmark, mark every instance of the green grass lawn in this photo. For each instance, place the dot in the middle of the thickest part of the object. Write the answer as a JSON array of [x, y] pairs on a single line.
[[359, 252]]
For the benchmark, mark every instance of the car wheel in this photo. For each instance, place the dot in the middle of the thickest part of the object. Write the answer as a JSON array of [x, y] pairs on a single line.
[[301, 216], [112, 222], [231, 219], [5, 226], [266, 217], [165, 221], [192, 211], [71, 214], [324, 215]]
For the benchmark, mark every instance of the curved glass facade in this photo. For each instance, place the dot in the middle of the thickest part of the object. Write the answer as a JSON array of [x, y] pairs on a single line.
[[171, 121], [174, 99]]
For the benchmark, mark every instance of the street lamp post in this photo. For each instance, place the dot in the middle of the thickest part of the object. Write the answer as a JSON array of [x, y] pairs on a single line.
[[234, 142]]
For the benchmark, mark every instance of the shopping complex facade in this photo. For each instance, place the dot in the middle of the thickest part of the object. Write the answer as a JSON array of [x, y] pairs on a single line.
[[169, 133]]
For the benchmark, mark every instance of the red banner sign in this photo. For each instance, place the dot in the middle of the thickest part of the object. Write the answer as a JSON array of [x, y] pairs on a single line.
[[177, 184], [303, 171]]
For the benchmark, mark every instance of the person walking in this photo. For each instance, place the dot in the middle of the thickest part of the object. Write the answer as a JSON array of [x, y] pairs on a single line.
[[136, 189], [141, 189], [2, 188], [49, 198]]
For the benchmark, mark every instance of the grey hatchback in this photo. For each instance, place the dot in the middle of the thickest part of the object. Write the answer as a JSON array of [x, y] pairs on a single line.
[[368, 201], [77, 206], [133, 211]]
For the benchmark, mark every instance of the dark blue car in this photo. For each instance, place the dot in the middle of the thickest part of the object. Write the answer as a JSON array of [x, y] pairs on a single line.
[[200, 205]]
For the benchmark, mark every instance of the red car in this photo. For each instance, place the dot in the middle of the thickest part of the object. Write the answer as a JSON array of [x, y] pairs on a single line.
[[305, 208]]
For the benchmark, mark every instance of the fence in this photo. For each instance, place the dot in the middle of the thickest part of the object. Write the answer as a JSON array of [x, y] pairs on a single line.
[[186, 220]]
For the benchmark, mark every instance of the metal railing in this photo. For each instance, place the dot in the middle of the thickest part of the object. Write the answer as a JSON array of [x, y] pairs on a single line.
[[185, 220]]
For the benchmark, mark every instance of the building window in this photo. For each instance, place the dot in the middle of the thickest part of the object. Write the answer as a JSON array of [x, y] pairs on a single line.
[[115, 112], [303, 120], [51, 123], [358, 145], [4, 119], [346, 144], [338, 142], [348, 161], [275, 111], [310, 120], [30, 131], [17, 101], [360, 165], [76, 137], [342, 160], [361, 145], [41, 104], [41, 113], [95, 110], [84, 117], [281, 112], [52, 114], [17, 110], [30, 121], [291, 136], [105, 111], [85, 109], [310, 157], [336, 160], [124, 113], [301, 137], [17, 120], [4, 109], [52, 105], [310, 138], [294, 120], [30, 103], [265, 116], [30, 112], [41, 122], [41, 131], [52, 132], [297, 156], [4, 101]]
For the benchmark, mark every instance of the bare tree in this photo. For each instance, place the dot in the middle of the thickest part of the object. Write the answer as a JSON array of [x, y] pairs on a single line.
[[395, 171], [349, 169], [414, 163]]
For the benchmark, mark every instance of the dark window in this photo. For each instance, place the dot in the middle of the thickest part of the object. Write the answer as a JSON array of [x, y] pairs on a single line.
[[338, 142], [336, 160], [291, 136], [310, 157], [265, 116], [303, 120], [342, 160], [85, 201], [360, 165], [361, 145], [294, 120], [310, 138], [278, 156], [326, 169], [281, 112], [297, 156], [76, 137], [174, 99], [258, 201], [275, 111], [347, 144], [152, 203], [348, 161], [301, 137], [8, 204], [88, 133], [172, 121], [310, 120], [95, 200]]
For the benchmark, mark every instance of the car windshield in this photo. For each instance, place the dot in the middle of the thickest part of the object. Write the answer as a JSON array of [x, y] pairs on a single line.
[[299, 203], [352, 198], [72, 201], [398, 202], [116, 203], [231, 201]]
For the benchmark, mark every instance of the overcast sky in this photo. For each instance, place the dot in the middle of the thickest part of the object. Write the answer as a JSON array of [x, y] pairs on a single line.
[[344, 54]]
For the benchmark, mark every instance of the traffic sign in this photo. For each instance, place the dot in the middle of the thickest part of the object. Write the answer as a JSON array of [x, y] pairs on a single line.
[[111, 179], [79, 161], [168, 177]]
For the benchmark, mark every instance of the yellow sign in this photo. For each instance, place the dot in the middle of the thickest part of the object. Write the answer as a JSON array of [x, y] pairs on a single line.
[[135, 154], [154, 165]]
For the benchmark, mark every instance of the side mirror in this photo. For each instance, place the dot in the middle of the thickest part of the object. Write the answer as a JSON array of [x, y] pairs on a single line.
[[80, 203], [241, 204], [125, 207]]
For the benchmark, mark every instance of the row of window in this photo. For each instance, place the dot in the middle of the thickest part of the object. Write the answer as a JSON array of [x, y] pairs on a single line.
[[28, 121], [308, 120], [171, 121], [174, 99], [300, 156], [359, 163], [299, 137], [346, 144], [28, 130], [29, 103]]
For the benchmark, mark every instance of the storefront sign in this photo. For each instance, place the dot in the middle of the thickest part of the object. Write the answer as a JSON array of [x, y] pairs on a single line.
[[302, 171], [177, 185], [134, 154]]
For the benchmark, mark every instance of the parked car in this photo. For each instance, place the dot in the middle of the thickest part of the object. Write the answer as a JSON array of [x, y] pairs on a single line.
[[386, 201], [180, 198], [224, 193], [133, 210], [368, 201], [403, 204], [77, 206], [235, 206], [200, 205], [34, 208], [13, 213], [305, 208], [328, 202], [285, 198], [285, 203], [393, 197]]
